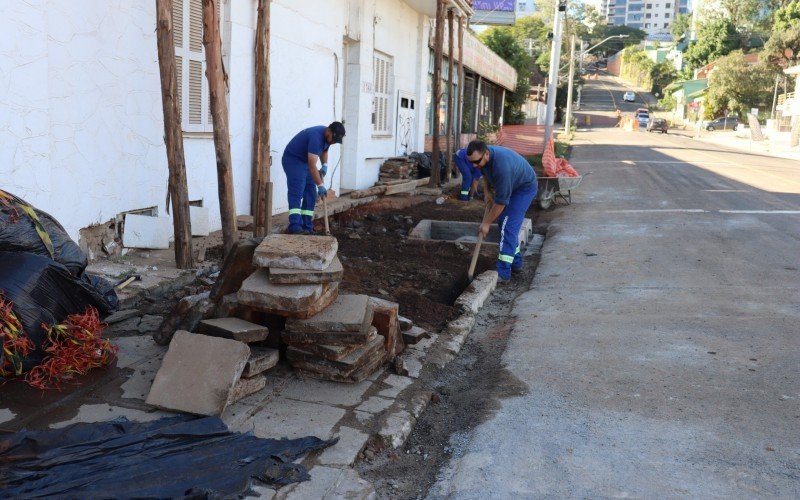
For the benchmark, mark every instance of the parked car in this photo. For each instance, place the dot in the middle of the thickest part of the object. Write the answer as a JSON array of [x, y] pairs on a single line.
[[642, 115], [658, 124], [723, 123], [629, 97]]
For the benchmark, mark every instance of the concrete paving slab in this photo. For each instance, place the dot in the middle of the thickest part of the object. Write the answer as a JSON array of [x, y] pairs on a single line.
[[330, 352], [234, 329], [348, 313], [289, 418], [396, 385], [344, 453], [328, 483], [141, 379], [198, 373], [375, 404], [372, 368], [334, 272], [396, 428], [246, 387], [261, 360], [320, 391], [331, 338], [293, 251], [364, 418], [137, 348], [415, 335], [104, 412], [345, 366], [260, 294]]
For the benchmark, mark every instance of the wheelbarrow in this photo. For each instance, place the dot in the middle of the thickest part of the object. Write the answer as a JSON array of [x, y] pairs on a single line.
[[552, 187]]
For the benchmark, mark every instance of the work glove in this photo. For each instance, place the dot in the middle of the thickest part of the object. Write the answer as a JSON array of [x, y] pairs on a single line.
[[323, 170], [321, 191]]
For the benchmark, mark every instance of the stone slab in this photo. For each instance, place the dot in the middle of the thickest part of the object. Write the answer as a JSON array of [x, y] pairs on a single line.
[[331, 291], [121, 316], [186, 316], [286, 418], [329, 483], [234, 329], [334, 272], [261, 360], [294, 251], [348, 313], [351, 442], [103, 412], [385, 318], [247, 386], [357, 376], [237, 267], [320, 391], [397, 384], [405, 323], [356, 359], [198, 373], [259, 293], [375, 404], [330, 352], [331, 338], [415, 335]]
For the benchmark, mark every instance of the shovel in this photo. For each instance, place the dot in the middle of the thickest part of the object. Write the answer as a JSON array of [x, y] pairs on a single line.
[[475, 253], [325, 211]]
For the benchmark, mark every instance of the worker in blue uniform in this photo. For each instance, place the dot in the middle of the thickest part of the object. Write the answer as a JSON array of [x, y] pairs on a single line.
[[469, 175], [509, 189], [303, 180]]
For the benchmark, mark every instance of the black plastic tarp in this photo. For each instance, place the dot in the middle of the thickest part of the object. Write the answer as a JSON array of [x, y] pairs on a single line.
[[174, 457]]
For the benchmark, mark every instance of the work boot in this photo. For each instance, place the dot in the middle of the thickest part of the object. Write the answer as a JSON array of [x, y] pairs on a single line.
[[503, 272], [464, 197], [294, 229], [518, 265]]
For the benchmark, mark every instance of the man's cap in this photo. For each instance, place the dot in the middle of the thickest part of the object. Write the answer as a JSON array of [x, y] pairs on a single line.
[[337, 132]]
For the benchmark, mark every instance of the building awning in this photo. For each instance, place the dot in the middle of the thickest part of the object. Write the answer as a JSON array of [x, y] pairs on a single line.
[[428, 7], [482, 60], [698, 94]]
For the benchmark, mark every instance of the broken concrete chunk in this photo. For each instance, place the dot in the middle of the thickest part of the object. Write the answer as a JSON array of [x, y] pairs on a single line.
[[121, 316], [294, 251], [405, 323], [348, 313], [247, 386], [414, 335], [237, 267], [186, 316], [198, 373], [234, 328], [334, 272], [260, 294], [385, 316], [331, 338], [261, 360]]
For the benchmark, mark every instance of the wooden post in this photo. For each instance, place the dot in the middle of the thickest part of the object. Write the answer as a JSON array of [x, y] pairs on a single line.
[[173, 136], [461, 82], [478, 105], [261, 192], [438, 41], [451, 98], [219, 115]]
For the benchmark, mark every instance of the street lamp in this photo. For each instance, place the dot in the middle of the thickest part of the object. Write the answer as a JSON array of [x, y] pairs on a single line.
[[584, 52]]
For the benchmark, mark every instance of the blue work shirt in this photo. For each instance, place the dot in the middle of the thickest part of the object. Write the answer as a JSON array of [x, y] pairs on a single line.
[[506, 172], [307, 141], [464, 165]]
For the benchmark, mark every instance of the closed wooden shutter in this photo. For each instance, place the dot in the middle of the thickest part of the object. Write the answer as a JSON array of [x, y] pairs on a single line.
[[382, 84]]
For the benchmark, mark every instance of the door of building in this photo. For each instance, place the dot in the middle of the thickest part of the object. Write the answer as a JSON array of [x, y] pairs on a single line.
[[406, 141]]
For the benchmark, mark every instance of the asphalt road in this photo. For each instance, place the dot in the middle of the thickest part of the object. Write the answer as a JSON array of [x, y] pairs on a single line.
[[659, 341]]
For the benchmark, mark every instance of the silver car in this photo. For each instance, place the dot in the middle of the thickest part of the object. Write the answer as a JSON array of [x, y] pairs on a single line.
[[629, 97]]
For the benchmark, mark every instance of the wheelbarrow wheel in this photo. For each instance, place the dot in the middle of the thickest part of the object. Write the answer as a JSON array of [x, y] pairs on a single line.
[[546, 198]]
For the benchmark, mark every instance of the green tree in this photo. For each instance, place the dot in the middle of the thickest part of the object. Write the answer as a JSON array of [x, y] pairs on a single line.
[[785, 35], [786, 16], [715, 39], [735, 87], [662, 74], [681, 26], [502, 41]]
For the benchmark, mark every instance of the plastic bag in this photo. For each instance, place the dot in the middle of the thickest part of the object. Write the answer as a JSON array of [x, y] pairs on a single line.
[[18, 233]]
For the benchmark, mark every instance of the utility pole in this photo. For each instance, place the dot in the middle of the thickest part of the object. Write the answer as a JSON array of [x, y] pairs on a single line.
[[173, 136], [219, 115], [555, 56], [261, 189], [438, 41], [568, 117]]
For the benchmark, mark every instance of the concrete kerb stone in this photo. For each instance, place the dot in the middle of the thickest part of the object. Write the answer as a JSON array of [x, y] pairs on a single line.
[[477, 292], [398, 421]]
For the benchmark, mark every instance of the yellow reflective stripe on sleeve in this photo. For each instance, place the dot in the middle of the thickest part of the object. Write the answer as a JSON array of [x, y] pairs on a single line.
[[506, 258]]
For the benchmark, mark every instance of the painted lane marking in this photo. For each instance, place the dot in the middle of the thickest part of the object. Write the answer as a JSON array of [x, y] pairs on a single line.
[[702, 211], [764, 212], [727, 191]]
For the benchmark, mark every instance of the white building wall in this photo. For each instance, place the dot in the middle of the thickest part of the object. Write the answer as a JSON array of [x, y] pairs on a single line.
[[81, 124]]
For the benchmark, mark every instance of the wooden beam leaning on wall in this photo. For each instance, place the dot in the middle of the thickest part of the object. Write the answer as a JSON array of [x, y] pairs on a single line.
[[451, 98], [219, 116], [173, 136], [261, 188], [438, 42], [461, 83]]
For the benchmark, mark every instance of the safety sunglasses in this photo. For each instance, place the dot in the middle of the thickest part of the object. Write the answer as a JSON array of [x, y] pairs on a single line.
[[478, 161]]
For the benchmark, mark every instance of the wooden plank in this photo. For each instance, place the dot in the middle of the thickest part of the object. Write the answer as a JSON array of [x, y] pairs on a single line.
[[261, 187], [437, 90]]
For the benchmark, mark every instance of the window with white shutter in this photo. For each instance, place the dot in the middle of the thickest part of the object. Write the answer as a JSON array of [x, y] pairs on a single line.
[[382, 103], [190, 61]]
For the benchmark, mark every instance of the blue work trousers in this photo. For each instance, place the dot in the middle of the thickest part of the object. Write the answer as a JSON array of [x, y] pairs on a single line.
[[302, 195], [510, 222], [466, 180]]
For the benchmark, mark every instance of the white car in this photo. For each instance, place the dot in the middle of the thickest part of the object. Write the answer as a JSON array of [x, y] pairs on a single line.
[[629, 97]]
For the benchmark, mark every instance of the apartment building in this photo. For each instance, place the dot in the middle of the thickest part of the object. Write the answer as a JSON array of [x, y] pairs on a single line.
[[653, 16]]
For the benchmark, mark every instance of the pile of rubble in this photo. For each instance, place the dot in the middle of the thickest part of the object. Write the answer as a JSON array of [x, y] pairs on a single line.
[[291, 278], [395, 170]]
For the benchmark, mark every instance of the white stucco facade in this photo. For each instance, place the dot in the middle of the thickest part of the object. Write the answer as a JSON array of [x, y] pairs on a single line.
[[81, 125]]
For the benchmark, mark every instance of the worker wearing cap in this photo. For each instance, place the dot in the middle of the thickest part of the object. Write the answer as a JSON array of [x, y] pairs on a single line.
[[303, 180], [469, 175], [513, 182]]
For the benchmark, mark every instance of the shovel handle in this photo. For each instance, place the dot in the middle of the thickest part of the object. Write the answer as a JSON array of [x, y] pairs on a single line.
[[325, 211], [475, 254]]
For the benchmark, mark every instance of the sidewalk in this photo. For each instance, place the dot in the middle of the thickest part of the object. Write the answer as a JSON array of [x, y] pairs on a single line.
[[730, 140]]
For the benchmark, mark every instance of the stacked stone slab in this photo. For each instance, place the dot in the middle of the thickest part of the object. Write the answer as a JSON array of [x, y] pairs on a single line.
[[340, 343], [296, 276]]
